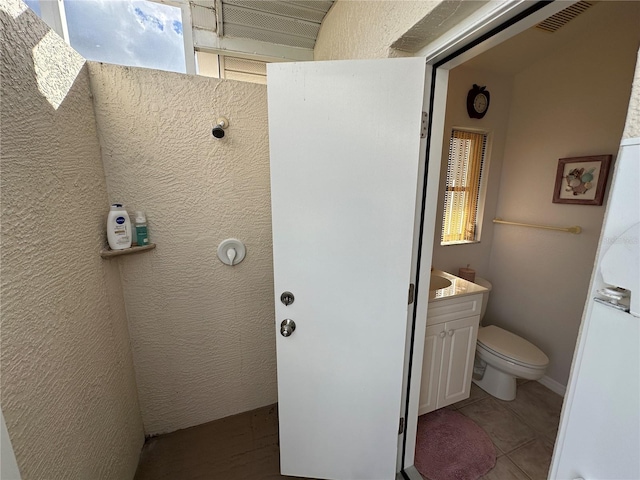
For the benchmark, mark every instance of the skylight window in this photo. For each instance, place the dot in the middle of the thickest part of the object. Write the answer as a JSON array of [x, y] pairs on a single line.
[[127, 32], [185, 36]]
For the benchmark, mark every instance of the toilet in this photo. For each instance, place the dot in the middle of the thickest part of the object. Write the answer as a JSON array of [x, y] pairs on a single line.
[[502, 356]]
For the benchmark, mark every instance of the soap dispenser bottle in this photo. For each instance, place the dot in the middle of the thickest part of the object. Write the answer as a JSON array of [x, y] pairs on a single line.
[[118, 227], [142, 233]]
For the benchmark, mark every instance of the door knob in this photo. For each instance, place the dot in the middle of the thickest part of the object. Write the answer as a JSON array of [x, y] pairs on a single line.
[[287, 327], [450, 332], [442, 334]]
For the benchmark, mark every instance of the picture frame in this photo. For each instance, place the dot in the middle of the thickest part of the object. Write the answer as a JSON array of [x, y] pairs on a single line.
[[582, 180]]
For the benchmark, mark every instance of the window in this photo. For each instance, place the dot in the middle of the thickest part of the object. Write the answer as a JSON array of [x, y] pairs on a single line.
[[463, 186], [151, 34], [137, 33]]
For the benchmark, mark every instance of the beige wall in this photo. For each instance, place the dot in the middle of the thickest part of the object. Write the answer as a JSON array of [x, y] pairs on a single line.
[[203, 333], [451, 257], [525, 258], [366, 29], [571, 103], [68, 389]]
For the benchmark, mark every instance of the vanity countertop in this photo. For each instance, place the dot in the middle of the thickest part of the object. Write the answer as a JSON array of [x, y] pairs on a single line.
[[458, 288]]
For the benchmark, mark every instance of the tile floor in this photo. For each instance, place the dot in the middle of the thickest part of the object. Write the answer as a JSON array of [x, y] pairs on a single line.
[[245, 446], [523, 431]]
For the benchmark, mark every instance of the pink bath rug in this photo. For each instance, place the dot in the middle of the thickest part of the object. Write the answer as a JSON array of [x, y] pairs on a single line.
[[450, 446]]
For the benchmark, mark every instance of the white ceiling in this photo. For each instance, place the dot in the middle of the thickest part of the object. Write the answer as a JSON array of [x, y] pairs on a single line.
[[516, 54], [271, 30], [285, 23]]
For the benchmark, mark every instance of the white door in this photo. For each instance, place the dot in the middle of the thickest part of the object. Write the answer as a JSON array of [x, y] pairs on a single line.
[[345, 180]]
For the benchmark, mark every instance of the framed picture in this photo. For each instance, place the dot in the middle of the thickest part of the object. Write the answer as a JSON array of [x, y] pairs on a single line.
[[582, 180]]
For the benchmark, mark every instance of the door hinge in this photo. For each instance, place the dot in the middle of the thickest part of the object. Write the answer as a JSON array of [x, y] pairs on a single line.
[[425, 125], [411, 294], [401, 427]]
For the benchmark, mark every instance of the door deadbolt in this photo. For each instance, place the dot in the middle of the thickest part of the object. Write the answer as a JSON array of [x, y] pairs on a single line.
[[287, 298], [287, 327]]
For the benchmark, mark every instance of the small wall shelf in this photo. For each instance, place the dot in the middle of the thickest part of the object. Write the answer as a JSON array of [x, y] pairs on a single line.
[[108, 253]]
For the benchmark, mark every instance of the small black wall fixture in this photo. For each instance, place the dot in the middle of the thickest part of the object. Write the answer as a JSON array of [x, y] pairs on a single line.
[[221, 124]]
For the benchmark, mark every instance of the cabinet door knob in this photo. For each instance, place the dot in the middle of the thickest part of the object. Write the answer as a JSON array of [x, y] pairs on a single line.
[[442, 334], [450, 332]]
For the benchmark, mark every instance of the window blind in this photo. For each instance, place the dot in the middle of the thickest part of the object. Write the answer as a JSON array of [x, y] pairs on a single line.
[[462, 192]]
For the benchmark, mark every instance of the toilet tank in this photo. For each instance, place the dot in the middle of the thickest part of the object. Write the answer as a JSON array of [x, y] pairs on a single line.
[[483, 282]]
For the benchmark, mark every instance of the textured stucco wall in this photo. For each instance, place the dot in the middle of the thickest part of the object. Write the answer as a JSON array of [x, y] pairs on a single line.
[[68, 388], [541, 278], [367, 28], [202, 332]]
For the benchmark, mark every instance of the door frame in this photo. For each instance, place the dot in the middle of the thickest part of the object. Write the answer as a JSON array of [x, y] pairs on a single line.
[[486, 28], [8, 463]]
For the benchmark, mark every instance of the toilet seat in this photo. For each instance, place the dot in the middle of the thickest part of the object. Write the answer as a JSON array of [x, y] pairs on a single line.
[[511, 347]]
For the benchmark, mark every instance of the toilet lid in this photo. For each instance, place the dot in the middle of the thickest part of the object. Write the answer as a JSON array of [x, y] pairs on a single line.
[[510, 345]]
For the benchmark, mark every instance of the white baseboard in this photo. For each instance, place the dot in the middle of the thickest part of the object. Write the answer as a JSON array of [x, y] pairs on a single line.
[[554, 386]]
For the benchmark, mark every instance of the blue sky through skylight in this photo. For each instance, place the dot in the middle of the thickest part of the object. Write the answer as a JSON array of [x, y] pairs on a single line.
[[127, 32], [34, 5]]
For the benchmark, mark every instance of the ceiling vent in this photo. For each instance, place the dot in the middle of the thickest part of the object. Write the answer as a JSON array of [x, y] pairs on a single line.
[[563, 17], [293, 23]]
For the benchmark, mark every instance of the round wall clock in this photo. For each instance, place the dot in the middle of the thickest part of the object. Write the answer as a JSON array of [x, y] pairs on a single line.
[[478, 101]]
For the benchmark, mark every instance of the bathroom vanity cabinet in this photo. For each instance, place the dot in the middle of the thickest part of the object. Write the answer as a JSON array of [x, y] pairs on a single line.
[[449, 351]]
